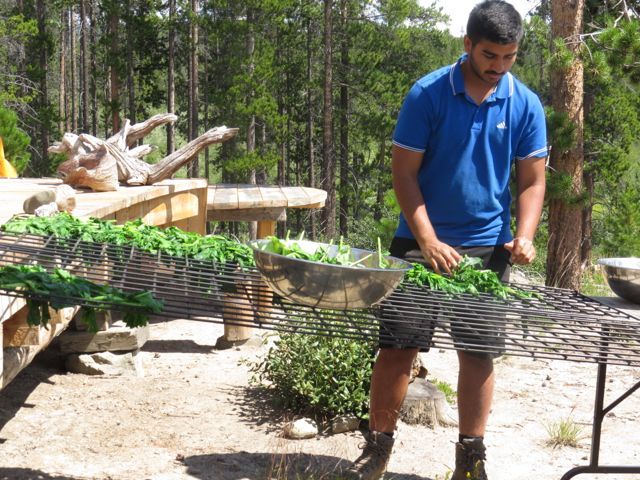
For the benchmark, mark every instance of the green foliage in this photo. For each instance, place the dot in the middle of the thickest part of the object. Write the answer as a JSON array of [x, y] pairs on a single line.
[[620, 232], [149, 238], [321, 375], [561, 130], [62, 289], [364, 231], [16, 141], [561, 57], [467, 277], [241, 166], [15, 30], [560, 187], [610, 131], [446, 388]]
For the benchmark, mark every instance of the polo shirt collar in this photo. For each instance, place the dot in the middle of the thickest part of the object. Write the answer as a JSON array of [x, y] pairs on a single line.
[[504, 89]]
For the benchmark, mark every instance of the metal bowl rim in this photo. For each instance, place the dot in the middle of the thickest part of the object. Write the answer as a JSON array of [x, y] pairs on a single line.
[[253, 244], [615, 262]]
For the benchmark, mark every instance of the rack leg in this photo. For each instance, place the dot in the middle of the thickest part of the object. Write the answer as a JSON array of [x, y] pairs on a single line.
[[598, 416]]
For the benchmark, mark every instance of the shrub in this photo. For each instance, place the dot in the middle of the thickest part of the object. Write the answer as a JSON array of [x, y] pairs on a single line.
[[320, 375], [564, 433]]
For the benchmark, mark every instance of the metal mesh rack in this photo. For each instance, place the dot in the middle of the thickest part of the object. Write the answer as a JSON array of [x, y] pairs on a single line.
[[553, 324]]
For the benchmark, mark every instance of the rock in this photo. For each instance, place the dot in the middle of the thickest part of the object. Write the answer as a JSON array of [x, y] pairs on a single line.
[[300, 429], [106, 363], [345, 423]]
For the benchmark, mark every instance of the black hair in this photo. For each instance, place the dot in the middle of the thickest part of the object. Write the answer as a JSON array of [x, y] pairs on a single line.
[[495, 21]]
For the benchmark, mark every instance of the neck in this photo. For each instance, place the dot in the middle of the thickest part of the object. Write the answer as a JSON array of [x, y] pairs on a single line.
[[476, 87]]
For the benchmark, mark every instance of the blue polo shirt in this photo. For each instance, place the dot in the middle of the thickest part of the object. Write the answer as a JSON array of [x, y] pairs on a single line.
[[468, 152]]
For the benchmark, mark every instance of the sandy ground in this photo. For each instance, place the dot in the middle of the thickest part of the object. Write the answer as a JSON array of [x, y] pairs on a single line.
[[194, 415]]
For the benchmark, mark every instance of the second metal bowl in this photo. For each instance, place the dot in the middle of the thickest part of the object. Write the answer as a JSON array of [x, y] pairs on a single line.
[[328, 286], [623, 276]]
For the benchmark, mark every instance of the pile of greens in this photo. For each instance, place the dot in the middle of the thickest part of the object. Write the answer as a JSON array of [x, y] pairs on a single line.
[[148, 238], [465, 278], [343, 256], [63, 289]]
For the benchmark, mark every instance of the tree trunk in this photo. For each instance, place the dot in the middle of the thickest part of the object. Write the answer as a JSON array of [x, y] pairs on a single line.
[[131, 88], [171, 86], [344, 122], [44, 89], [377, 209], [62, 94], [74, 69], [114, 78], [207, 88], [565, 214], [194, 166], [94, 71], [587, 223], [310, 126], [328, 154], [84, 75], [251, 126]]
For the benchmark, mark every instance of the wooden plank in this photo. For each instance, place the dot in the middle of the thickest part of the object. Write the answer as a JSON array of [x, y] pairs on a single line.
[[249, 196], [198, 222], [116, 338], [17, 332], [266, 228], [295, 196], [17, 358], [99, 204], [9, 306], [211, 195], [316, 196], [272, 196], [170, 208], [248, 215], [226, 198]]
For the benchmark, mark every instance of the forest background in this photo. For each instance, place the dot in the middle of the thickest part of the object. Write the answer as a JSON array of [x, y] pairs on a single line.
[[315, 88]]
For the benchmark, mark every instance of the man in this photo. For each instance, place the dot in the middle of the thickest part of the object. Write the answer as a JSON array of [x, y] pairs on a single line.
[[460, 130]]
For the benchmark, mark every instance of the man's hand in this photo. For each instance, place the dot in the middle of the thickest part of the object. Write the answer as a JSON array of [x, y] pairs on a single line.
[[440, 256], [522, 250]]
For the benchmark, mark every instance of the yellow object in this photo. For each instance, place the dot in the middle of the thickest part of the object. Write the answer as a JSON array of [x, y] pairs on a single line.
[[6, 169]]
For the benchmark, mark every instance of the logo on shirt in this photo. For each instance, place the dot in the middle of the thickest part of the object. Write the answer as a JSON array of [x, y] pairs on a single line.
[[501, 126]]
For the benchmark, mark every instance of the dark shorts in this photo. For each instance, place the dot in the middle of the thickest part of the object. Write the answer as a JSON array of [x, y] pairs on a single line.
[[481, 333]]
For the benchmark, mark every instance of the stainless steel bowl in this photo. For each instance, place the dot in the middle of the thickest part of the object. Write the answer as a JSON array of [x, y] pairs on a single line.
[[325, 285], [623, 276]]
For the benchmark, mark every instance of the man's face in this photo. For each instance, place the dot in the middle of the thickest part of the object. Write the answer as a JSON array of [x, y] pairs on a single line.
[[490, 61]]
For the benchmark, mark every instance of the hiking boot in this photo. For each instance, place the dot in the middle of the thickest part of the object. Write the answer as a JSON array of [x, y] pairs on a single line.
[[470, 458], [372, 463]]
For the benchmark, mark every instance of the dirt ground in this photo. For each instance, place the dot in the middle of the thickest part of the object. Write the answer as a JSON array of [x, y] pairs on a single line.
[[194, 415]]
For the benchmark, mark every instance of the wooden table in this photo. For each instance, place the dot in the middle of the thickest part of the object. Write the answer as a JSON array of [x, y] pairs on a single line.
[[265, 204], [178, 202]]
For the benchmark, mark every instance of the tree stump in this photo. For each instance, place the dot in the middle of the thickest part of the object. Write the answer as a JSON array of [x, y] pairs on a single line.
[[426, 405]]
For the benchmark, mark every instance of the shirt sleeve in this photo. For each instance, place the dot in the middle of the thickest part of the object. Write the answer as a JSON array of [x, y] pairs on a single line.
[[533, 142], [413, 128]]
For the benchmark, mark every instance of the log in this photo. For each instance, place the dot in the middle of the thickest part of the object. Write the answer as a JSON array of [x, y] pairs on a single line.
[[170, 164], [102, 165]]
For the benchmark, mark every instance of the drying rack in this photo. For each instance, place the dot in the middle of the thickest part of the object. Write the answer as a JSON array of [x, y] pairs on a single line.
[[556, 324]]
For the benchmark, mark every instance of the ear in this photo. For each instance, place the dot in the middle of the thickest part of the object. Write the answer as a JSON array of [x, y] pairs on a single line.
[[467, 44]]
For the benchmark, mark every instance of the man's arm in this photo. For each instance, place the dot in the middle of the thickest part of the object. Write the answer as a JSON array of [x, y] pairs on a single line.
[[404, 168], [530, 181]]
